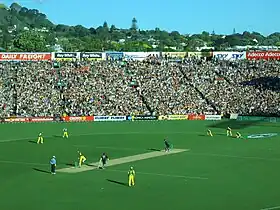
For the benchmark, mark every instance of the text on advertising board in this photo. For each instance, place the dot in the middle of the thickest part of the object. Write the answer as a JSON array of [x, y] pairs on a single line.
[[144, 117], [264, 55], [91, 55], [177, 117], [213, 117], [25, 56], [78, 119], [196, 117], [109, 118], [65, 55], [229, 55]]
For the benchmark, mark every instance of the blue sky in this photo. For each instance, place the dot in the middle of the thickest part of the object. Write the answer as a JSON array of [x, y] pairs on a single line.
[[185, 16]]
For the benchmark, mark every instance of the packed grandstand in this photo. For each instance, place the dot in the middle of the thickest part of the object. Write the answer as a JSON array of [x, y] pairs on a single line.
[[145, 84]]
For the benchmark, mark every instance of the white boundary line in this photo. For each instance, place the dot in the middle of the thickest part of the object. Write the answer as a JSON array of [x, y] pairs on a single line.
[[271, 208], [166, 175]]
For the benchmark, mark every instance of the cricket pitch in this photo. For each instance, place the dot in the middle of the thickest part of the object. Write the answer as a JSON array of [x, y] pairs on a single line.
[[122, 160]]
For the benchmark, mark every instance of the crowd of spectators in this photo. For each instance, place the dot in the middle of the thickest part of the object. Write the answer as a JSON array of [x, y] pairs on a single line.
[[139, 88]]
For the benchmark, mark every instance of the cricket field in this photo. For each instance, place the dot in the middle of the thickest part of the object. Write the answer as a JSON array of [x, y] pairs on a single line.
[[200, 173]]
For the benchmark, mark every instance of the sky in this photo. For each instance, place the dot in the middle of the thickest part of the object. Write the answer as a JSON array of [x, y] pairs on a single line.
[[185, 16]]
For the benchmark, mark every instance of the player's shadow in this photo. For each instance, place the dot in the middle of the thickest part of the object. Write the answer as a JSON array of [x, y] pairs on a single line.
[[41, 170], [92, 165], [153, 149], [219, 134], [32, 142], [70, 164], [234, 124], [117, 182]]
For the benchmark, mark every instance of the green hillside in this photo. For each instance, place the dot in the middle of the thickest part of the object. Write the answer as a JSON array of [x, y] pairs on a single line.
[[22, 25]]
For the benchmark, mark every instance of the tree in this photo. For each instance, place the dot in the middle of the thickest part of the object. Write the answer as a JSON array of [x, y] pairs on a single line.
[[81, 31], [30, 41], [105, 26], [113, 28], [92, 30], [79, 38], [134, 26], [232, 40], [62, 28], [15, 7], [65, 44], [23, 11]]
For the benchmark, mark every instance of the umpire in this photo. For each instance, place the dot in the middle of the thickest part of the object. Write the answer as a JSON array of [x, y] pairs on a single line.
[[53, 164]]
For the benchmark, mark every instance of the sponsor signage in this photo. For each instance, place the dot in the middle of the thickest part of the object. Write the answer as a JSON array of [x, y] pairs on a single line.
[[252, 118], [259, 118], [263, 55], [233, 116], [213, 117], [20, 119], [142, 117], [114, 55], [25, 56], [196, 117], [200, 54], [229, 55], [41, 119], [29, 119], [262, 135], [174, 54], [91, 56], [177, 117], [65, 55], [109, 118], [137, 56], [78, 119]]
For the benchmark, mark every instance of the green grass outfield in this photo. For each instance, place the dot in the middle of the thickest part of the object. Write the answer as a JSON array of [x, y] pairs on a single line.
[[219, 173]]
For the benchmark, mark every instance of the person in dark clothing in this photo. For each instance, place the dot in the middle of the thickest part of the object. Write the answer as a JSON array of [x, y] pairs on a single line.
[[167, 145], [103, 160]]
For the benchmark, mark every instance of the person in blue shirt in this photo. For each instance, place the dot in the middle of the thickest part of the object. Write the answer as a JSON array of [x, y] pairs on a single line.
[[53, 165]]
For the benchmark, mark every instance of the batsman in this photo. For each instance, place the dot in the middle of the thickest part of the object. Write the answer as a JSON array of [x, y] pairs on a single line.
[[131, 177], [103, 161]]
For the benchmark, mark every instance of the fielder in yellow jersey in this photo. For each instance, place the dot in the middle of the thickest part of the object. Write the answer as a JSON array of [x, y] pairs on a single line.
[[229, 132], [238, 135], [65, 133], [81, 158], [209, 133], [40, 139], [131, 177]]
